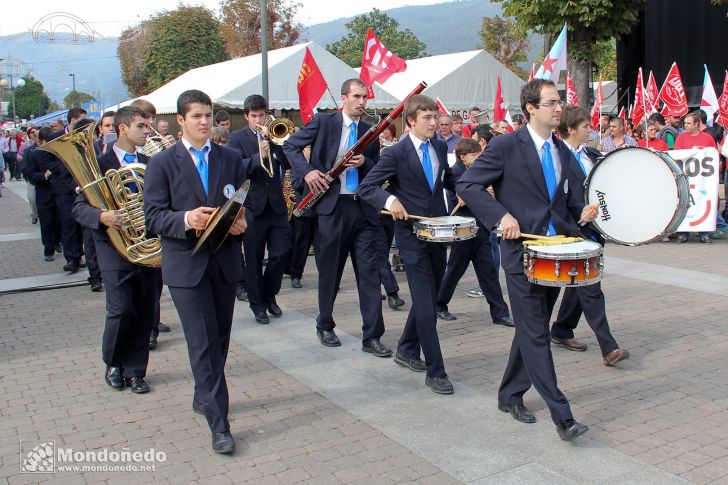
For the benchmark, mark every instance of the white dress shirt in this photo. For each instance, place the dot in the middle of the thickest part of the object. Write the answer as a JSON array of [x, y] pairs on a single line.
[[538, 142], [121, 153], [580, 155]]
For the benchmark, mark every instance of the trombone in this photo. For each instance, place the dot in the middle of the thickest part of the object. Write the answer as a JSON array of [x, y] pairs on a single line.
[[279, 130]]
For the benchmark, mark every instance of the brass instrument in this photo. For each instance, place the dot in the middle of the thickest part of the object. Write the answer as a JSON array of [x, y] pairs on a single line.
[[279, 130], [117, 190], [155, 144], [289, 194]]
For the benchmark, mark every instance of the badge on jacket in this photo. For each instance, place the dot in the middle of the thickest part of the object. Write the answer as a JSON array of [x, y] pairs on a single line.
[[228, 190]]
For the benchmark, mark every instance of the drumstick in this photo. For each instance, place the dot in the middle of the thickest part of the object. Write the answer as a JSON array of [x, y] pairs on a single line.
[[418, 218], [532, 236], [457, 208]]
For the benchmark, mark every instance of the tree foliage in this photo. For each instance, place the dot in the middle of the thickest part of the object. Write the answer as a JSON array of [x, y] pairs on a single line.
[[76, 99], [241, 25], [403, 43], [606, 59], [506, 41], [31, 99], [167, 45]]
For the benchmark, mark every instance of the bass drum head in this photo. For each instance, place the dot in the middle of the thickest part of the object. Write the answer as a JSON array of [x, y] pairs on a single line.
[[638, 192]]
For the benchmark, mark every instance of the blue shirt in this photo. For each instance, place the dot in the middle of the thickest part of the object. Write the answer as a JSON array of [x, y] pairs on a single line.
[[451, 142]]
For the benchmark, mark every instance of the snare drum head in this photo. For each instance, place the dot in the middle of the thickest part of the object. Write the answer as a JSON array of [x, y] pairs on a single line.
[[568, 248], [637, 192]]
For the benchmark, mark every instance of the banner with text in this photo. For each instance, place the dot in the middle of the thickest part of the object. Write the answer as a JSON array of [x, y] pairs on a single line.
[[701, 165]]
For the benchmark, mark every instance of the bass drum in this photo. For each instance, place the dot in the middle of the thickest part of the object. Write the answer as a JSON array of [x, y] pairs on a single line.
[[642, 195]]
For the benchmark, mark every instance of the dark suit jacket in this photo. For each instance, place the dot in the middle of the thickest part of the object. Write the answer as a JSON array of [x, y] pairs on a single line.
[[323, 133], [172, 186], [34, 169], [512, 166], [263, 189], [88, 216], [401, 165], [61, 179]]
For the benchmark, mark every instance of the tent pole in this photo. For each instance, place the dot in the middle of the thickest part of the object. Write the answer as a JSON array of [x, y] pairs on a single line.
[[264, 45]]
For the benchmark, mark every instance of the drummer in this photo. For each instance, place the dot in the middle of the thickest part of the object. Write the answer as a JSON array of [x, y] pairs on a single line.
[[574, 131], [417, 171]]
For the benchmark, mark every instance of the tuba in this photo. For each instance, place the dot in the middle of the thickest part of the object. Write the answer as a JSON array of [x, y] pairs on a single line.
[[117, 190]]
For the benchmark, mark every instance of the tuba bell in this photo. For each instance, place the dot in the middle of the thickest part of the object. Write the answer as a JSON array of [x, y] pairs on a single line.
[[116, 190]]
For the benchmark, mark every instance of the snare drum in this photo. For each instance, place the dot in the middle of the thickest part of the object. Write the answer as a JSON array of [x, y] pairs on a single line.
[[642, 195], [564, 265], [446, 229]]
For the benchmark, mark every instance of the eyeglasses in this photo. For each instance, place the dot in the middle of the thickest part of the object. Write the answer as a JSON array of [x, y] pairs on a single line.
[[551, 104]]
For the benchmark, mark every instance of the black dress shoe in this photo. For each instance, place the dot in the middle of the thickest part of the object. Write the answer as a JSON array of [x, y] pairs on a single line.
[[394, 301], [446, 315], [59, 248], [439, 385], [163, 328], [377, 348], [506, 321], [96, 286], [138, 386], [113, 378], [328, 338], [223, 443], [519, 412], [50, 258], [416, 365], [71, 267], [274, 309], [197, 407], [570, 429], [262, 318], [296, 282], [152, 342], [34, 220], [241, 294]]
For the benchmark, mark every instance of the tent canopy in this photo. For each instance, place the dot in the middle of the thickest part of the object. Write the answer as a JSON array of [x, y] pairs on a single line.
[[56, 115], [229, 83]]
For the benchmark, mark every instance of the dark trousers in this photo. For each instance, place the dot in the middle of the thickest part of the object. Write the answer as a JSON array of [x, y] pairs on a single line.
[[206, 313], [157, 317], [11, 161], [479, 250], [384, 242], [266, 230], [346, 231], [132, 301], [89, 250], [50, 220], [71, 234], [590, 299], [530, 361], [425, 268], [302, 234]]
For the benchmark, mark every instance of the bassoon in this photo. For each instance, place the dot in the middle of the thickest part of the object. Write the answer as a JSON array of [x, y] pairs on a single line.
[[357, 149]]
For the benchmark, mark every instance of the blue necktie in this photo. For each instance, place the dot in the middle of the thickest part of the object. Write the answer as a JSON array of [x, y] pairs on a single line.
[[547, 164], [130, 158], [427, 164], [352, 174], [577, 154], [201, 164]]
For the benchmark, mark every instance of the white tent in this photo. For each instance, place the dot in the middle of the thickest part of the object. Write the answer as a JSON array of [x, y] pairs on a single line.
[[229, 83], [460, 80]]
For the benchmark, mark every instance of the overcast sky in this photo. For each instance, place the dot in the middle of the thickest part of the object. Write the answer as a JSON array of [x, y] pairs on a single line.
[[109, 18]]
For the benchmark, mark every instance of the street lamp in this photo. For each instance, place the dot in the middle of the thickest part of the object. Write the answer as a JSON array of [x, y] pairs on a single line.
[[75, 95], [20, 83]]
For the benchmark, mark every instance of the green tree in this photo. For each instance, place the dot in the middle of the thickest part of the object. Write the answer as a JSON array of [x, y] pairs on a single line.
[[606, 59], [31, 99], [403, 43], [76, 99], [506, 41], [241, 24], [588, 23], [132, 43]]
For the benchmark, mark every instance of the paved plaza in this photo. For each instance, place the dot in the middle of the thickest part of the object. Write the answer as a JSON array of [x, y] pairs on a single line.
[[301, 412]]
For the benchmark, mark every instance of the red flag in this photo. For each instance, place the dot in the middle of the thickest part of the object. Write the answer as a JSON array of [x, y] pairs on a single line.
[[378, 63], [533, 71], [622, 114], [664, 110], [499, 107], [673, 92], [571, 97], [638, 112], [723, 104], [653, 95], [441, 107], [597, 108], [311, 86]]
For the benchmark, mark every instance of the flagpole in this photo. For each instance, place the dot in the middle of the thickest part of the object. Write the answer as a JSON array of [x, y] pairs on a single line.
[[332, 97]]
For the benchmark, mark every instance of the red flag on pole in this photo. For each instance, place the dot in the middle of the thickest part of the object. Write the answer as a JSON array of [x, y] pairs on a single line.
[[378, 63], [622, 114], [653, 95], [673, 92], [311, 86], [723, 104], [571, 97], [638, 112], [499, 107], [533, 71], [597, 108], [441, 107]]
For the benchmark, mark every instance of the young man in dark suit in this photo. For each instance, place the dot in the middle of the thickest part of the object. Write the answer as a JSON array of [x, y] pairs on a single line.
[[182, 186], [267, 214], [132, 291], [528, 170], [574, 130], [417, 171], [346, 226]]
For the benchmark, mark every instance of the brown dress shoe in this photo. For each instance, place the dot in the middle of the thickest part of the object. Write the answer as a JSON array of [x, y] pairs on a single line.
[[616, 356], [569, 343]]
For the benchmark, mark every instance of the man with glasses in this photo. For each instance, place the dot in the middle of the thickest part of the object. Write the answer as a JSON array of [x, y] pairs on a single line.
[[528, 170], [446, 134]]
